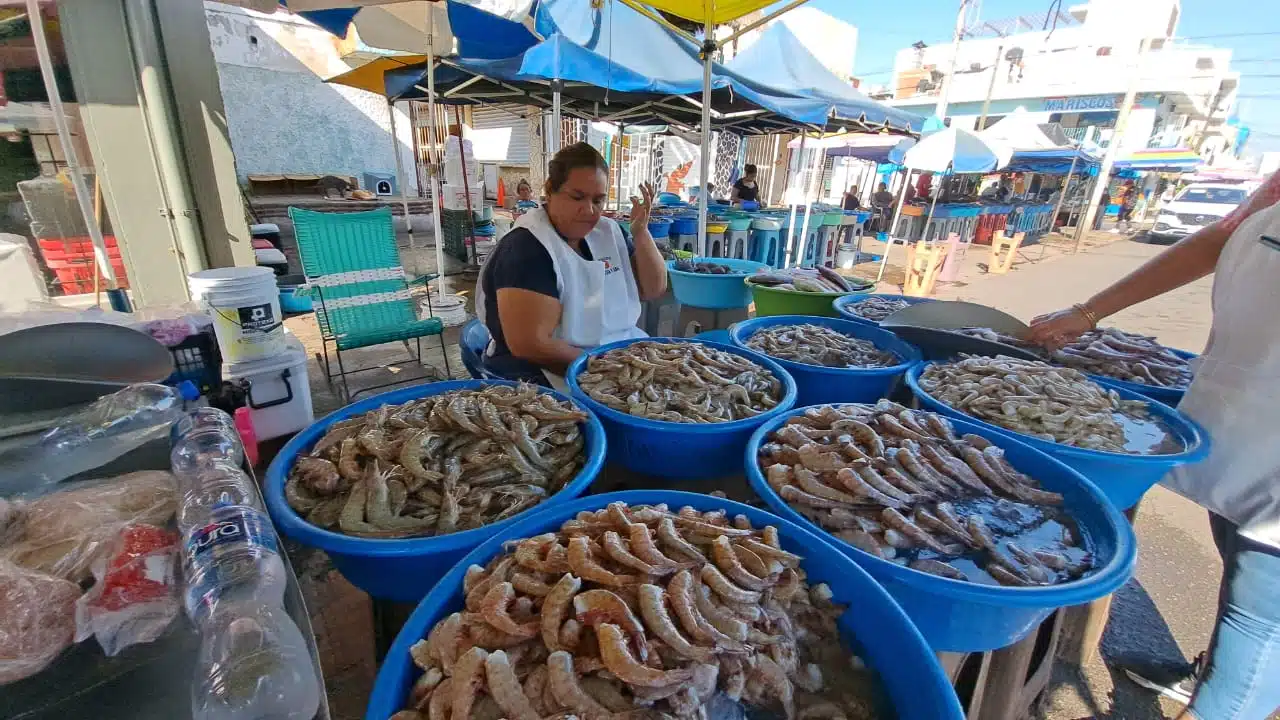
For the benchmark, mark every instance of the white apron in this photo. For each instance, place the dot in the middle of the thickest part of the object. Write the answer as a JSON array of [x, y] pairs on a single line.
[[599, 298], [1236, 391]]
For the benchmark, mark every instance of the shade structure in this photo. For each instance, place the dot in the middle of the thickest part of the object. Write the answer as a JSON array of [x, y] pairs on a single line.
[[492, 30], [1018, 131], [703, 11], [1161, 160], [952, 150], [880, 148], [1057, 161], [371, 76], [778, 59]]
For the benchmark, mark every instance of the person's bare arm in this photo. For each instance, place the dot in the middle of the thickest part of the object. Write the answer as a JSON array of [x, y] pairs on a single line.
[[646, 262], [529, 322], [1190, 259]]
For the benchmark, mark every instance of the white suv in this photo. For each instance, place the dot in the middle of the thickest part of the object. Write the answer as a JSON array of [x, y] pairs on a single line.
[[1196, 206]]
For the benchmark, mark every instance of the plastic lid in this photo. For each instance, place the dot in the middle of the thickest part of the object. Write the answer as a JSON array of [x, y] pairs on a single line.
[[188, 390]]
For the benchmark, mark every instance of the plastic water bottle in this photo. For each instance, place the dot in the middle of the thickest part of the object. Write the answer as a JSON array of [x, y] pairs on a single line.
[[254, 663], [110, 427]]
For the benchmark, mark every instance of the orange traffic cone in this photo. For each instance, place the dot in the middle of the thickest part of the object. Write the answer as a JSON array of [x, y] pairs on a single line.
[[502, 193]]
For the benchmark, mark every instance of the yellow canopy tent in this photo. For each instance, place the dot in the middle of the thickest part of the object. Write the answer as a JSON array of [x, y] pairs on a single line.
[[370, 76], [716, 11]]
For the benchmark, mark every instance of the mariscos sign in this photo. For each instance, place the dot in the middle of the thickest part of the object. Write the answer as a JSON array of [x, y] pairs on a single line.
[[1086, 102]]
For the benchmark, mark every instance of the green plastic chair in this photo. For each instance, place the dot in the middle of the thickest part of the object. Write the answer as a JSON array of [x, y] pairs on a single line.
[[353, 267]]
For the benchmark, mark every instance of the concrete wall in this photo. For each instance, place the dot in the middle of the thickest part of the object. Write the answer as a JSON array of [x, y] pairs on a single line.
[[283, 117]]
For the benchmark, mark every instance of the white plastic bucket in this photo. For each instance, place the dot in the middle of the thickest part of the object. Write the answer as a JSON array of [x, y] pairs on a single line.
[[245, 306], [279, 391]]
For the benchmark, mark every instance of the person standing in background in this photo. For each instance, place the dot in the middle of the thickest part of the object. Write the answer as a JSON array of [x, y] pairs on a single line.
[[745, 189], [1235, 396], [1103, 204]]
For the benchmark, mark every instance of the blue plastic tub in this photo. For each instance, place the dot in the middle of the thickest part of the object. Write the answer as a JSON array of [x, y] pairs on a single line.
[[874, 626], [1124, 478], [684, 225], [678, 450], [957, 616], [1168, 396], [403, 570], [816, 384], [659, 227], [669, 199], [716, 336], [714, 292], [293, 302], [841, 304]]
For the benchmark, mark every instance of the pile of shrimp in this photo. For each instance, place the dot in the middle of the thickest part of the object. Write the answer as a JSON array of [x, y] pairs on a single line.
[[637, 611], [441, 464], [902, 485]]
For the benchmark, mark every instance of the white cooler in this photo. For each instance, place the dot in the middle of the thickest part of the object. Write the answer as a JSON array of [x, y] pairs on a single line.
[[279, 391]]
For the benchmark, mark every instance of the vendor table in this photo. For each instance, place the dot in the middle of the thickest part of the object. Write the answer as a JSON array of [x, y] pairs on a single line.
[[991, 220], [151, 681]]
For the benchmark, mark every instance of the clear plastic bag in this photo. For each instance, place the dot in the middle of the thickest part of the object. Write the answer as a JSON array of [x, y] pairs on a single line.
[[135, 597], [37, 620], [62, 533]]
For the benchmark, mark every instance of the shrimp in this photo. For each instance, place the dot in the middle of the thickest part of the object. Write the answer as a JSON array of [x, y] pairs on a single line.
[[793, 494], [535, 688], [955, 468], [875, 480], [809, 482], [677, 544], [699, 526], [594, 607], [862, 491], [530, 585], [570, 634], [720, 618], [443, 641], [415, 446], [618, 551], [643, 547], [727, 560], [541, 556], [349, 459], [755, 564], [563, 682], [1034, 569], [681, 592], [505, 688], [817, 460], [929, 521], [468, 678], [441, 701], [735, 677], [918, 536], [725, 588], [770, 549], [583, 564], [554, 607], [338, 432], [477, 594], [619, 661], [935, 567], [494, 610], [420, 653], [768, 675], [654, 611]]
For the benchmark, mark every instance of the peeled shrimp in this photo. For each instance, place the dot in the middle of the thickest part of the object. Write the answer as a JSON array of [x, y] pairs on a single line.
[[621, 554], [563, 682], [468, 678], [727, 560], [594, 607], [584, 565], [643, 547], [505, 688], [674, 543], [494, 608]]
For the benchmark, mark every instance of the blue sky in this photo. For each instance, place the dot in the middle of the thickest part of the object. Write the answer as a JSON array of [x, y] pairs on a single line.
[[1249, 27]]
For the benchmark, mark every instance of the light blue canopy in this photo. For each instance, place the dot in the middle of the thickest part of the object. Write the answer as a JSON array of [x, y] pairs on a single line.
[[778, 59], [617, 49], [479, 34]]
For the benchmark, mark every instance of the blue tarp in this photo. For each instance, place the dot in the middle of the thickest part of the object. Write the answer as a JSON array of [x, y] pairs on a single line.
[[614, 60], [1051, 162], [479, 34], [779, 60]]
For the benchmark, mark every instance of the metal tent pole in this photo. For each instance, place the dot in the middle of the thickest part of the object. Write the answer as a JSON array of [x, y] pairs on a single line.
[[119, 300], [404, 191], [433, 176], [893, 224], [554, 142], [704, 161], [1062, 195], [791, 223]]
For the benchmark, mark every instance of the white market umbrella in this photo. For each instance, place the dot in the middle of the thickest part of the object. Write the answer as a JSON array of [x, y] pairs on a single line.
[[950, 150]]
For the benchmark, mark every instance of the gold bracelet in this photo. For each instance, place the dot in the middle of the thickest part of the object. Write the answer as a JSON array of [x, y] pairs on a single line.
[[1087, 313]]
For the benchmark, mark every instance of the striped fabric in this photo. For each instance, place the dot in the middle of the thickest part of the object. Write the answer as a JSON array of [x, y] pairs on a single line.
[[352, 262]]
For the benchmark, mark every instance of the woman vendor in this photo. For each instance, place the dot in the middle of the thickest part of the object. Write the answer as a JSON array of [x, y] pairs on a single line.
[[1236, 397], [565, 278]]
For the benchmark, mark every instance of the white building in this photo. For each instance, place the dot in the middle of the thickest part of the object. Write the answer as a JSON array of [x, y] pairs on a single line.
[[1076, 73]]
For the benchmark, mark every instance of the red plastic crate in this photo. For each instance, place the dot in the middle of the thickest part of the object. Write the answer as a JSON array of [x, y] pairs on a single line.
[[76, 276]]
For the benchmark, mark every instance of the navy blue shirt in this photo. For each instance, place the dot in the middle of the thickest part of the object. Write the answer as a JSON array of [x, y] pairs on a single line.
[[520, 261]]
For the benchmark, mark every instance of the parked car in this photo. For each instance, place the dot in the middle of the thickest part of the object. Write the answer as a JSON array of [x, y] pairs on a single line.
[[1198, 205]]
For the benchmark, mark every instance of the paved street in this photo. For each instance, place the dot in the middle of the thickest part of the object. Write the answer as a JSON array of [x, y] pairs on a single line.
[[1166, 612]]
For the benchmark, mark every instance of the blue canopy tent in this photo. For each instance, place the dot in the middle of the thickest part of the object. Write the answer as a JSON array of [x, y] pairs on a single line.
[[1059, 161], [778, 59]]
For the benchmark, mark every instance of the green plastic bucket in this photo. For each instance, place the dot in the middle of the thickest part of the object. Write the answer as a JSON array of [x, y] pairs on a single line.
[[775, 301]]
